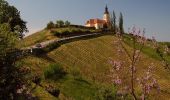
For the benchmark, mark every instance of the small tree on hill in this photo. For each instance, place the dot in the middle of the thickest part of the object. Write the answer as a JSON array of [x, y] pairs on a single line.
[[67, 23], [125, 71], [121, 24], [113, 22], [50, 25], [59, 23]]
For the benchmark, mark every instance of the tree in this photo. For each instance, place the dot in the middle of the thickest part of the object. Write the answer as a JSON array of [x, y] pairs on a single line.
[[114, 22], [59, 23], [50, 25], [10, 14], [67, 23], [11, 78], [121, 24], [132, 83], [7, 40]]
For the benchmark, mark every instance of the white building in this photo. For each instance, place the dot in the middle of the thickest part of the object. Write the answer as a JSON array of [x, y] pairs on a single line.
[[100, 23]]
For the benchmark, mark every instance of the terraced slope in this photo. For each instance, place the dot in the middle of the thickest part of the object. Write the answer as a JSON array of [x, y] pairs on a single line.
[[89, 58]]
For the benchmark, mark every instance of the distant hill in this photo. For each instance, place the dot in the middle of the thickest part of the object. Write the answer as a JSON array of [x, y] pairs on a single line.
[[86, 64]]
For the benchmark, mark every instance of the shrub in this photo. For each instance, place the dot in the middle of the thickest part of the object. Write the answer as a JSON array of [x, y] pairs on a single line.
[[50, 25], [57, 33], [53, 91], [65, 32], [54, 71], [51, 47], [36, 79], [106, 93]]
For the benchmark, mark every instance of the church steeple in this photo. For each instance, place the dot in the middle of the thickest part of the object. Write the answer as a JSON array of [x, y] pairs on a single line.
[[106, 16], [106, 10]]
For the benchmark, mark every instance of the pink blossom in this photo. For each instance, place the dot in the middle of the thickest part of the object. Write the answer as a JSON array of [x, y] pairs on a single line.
[[117, 80]]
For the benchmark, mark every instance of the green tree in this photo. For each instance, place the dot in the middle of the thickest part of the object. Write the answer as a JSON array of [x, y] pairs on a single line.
[[67, 23], [59, 23], [50, 25], [10, 76], [10, 14], [113, 22], [121, 24]]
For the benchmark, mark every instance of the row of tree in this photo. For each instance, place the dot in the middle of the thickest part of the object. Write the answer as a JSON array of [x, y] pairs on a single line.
[[114, 25], [58, 24]]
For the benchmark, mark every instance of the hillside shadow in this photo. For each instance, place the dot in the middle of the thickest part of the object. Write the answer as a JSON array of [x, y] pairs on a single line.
[[45, 57]]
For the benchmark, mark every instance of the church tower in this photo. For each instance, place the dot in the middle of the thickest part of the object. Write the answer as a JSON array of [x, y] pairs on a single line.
[[106, 16]]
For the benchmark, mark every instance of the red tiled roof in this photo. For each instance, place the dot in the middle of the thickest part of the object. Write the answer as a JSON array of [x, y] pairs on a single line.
[[94, 21]]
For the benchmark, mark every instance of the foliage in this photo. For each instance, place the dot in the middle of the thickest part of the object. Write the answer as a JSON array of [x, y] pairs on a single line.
[[11, 76], [59, 23], [70, 31], [50, 25], [106, 93], [163, 51], [67, 23], [36, 79], [10, 14], [121, 23], [147, 82], [54, 71], [113, 22], [52, 90]]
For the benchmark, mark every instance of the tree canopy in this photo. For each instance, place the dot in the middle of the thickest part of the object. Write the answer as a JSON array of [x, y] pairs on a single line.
[[121, 23], [10, 14], [8, 78]]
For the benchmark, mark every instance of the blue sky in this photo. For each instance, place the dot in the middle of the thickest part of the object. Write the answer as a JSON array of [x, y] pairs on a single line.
[[154, 15]]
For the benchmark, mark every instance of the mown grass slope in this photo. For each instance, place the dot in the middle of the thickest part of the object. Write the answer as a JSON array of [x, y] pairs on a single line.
[[87, 67]]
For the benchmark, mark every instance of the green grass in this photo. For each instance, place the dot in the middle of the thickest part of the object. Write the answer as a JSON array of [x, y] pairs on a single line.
[[148, 50], [54, 71], [86, 62], [78, 89], [45, 35]]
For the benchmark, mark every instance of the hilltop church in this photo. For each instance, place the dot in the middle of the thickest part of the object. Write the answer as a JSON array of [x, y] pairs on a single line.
[[100, 23]]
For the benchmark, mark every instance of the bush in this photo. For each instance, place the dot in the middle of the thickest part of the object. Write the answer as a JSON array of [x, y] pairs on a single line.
[[53, 91], [106, 93], [36, 79], [50, 25], [51, 47], [54, 71], [65, 32]]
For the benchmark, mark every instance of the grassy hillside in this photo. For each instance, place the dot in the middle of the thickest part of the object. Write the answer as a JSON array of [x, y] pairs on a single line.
[[45, 35], [86, 64], [37, 37]]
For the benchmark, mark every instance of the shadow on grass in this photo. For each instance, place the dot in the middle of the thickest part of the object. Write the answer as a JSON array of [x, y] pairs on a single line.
[[83, 81], [44, 56]]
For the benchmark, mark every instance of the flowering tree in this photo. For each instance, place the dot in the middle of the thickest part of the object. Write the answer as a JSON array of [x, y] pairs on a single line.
[[163, 51], [124, 71]]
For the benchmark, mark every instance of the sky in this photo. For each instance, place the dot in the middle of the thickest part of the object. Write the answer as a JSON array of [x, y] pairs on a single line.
[[153, 15]]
